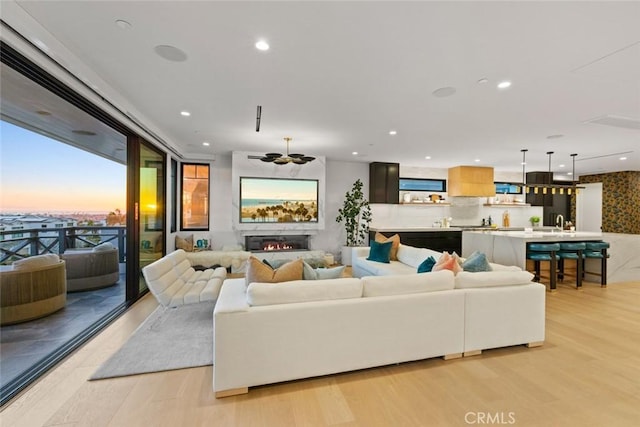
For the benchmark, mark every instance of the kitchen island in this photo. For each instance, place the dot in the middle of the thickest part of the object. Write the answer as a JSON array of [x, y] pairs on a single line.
[[510, 247]]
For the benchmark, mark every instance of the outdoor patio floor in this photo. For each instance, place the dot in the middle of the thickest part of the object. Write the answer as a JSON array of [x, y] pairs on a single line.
[[24, 344]]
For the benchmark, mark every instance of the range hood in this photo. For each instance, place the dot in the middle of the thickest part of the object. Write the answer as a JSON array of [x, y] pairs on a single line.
[[471, 181]]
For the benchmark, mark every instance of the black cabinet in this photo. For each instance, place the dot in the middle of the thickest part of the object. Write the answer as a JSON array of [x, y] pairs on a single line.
[[560, 205], [539, 198], [384, 182], [450, 241]]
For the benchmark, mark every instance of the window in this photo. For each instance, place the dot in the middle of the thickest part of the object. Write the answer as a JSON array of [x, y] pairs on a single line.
[[195, 196], [508, 188], [419, 184]]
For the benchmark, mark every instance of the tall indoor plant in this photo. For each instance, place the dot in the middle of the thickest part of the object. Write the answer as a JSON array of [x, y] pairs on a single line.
[[356, 216]]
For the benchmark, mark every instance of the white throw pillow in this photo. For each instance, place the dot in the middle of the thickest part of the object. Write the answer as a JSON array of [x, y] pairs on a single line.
[[378, 286], [36, 261], [330, 273], [485, 279]]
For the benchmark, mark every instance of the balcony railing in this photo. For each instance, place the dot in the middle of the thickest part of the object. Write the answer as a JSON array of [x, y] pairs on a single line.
[[18, 244]]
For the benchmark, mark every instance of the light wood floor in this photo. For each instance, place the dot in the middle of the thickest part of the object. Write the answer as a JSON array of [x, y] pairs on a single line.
[[586, 374]]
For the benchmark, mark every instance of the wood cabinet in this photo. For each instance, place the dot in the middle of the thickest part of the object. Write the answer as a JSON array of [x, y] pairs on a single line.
[[384, 182], [474, 181]]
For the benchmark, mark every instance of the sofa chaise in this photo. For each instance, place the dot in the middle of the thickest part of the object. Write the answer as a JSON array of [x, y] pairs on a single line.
[[173, 281], [266, 333]]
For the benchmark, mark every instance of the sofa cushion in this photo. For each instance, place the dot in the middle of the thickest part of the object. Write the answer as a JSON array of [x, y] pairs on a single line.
[[106, 246], [303, 291], [447, 262], [484, 279], [330, 273], [377, 286], [395, 244], [427, 265], [36, 261], [372, 268], [477, 261], [380, 252], [257, 271], [413, 256]]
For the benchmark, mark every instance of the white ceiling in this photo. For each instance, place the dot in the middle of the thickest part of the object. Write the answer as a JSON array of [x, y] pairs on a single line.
[[340, 75]]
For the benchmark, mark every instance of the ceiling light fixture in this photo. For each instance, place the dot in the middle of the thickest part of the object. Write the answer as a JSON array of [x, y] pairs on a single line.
[[206, 144], [262, 45], [444, 92], [503, 85], [279, 159], [483, 80], [393, 132], [355, 153], [623, 158], [477, 160], [185, 113], [550, 186], [427, 157], [123, 24]]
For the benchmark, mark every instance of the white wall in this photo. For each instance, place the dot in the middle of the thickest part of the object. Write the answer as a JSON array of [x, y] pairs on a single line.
[[338, 178]]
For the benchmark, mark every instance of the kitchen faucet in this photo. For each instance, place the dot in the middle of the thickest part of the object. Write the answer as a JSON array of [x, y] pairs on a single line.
[[561, 219]]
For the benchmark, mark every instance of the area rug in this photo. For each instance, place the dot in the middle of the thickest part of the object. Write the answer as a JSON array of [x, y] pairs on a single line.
[[170, 338]]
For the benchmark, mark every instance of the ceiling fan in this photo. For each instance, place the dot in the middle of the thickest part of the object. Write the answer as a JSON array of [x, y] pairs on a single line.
[[279, 159]]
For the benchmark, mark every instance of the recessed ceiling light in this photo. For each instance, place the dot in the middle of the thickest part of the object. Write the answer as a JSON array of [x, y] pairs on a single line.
[[123, 24], [555, 136], [427, 157], [170, 53], [560, 166], [569, 173], [185, 113], [262, 45], [483, 80], [355, 153], [393, 132], [444, 92], [503, 85], [623, 158], [43, 113], [476, 160], [206, 144]]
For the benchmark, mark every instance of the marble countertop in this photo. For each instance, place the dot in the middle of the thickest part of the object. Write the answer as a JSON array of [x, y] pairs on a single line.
[[544, 236], [413, 229]]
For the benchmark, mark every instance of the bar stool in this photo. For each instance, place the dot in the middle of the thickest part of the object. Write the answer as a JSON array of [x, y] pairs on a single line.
[[539, 252], [598, 250], [571, 250]]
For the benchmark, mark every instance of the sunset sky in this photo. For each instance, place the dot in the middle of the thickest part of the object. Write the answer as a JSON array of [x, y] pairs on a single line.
[[38, 174]]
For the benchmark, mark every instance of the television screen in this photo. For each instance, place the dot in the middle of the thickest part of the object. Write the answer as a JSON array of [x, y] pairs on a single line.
[[269, 200]]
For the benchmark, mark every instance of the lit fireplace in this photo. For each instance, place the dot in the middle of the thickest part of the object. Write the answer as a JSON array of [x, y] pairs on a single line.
[[277, 243], [277, 247]]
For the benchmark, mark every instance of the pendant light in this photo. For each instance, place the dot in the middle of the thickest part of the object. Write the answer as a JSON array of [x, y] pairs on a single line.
[[524, 175]]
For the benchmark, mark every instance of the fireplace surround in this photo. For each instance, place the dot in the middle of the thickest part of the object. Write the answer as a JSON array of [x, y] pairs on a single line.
[[277, 243]]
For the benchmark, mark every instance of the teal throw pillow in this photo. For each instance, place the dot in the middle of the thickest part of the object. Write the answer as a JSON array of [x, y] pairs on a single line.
[[380, 252], [427, 265], [476, 262], [330, 273]]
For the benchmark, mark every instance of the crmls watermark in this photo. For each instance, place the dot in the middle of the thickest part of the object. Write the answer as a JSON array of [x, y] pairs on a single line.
[[490, 417]]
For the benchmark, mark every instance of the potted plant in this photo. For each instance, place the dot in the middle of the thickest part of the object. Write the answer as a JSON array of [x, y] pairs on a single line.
[[356, 216], [535, 220]]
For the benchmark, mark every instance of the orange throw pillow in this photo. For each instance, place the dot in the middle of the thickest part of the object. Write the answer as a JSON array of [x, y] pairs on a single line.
[[447, 262], [395, 244], [257, 271]]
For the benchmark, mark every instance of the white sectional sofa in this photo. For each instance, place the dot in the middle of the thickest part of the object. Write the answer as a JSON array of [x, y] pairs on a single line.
[[266, 333], [409, 258], [173, 281]]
